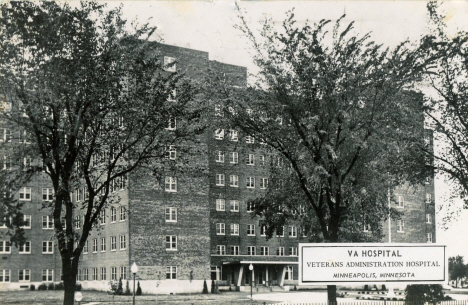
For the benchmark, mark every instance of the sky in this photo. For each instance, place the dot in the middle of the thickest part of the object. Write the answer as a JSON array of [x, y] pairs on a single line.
[[209, 26]]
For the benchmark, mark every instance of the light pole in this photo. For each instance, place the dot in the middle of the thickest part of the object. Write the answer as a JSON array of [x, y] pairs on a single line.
[[134, 270], [251, 279]]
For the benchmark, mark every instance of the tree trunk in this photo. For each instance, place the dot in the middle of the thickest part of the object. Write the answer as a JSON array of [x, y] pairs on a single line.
[[331, 294], [69, 281]]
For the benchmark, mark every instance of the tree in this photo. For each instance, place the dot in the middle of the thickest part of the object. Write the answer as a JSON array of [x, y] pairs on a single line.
[[338, 116], [447, 102], [138, 291], [92, 103], [416, 294], [457, 269]]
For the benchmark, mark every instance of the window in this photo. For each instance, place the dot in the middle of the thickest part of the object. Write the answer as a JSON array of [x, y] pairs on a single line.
[[114, 273], [401, 226], [171, 273], [220, 205], [250, 160], [234, 181], [428, 198], [6, 163], [219, 134], [47, 275], [220, 156], [103, 244], [221, 250], [24, 137], [234, 158], [169, 64], [250, 230], [5, 247], [77, 222], [263, 183], [95, 246], [249, 140], [79, 194], [25, 248], [280, 251], [85, 275], [47, 222], [292, 231], [303, 232], [171, 184], [123, 272], [95, 274], [265, 251], [218, 111], [171, 152], [262, 160], [85, 248], [234, 228], [220, 229], [171, 214], [171, 124], [251, 250], [234, 135], [47, 247], [280, 232], [25, 194], [26, 164], [263, 228], [292, 251], [24, 275], [123, 242], [220, 179], [250, 207], [171, 242], [113, 243], [47, 194], [367, 227], [234, 250], [113, 212], [79, 276], [102, 217], [250, 182], [123, 214], [234, 204], [401, 201], [6, 135], [103, 273], [427, 180], [428, 218], [289, 273], [5, 276], [429, 237], [27, 222]]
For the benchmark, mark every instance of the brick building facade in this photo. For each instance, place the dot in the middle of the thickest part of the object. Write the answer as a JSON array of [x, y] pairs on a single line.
[[187, 227]]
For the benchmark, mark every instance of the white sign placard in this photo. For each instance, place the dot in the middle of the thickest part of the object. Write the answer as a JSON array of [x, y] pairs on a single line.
[[369, 263]]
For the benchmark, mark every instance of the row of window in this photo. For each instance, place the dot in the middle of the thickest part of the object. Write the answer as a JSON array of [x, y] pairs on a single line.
[[103, 217], [24, 136], [401, 200], [250, 229], [252, 250], [47, 247], [24, 275], [95, 247], [234, 158], [97, 274], [234, 181], [233, 135]]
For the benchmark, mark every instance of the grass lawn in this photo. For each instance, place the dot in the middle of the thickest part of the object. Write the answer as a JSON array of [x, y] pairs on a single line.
[[56, 297]]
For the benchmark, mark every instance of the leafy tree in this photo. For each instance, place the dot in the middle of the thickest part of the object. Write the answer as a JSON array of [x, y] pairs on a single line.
[[337, 114], [457, 269], [447, 103], [91, 103], [415, 294]]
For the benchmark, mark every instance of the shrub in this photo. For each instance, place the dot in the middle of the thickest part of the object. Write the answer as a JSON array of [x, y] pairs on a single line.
[[384, 287], [138, 291], [32, 287], [366, 287], [205, 287], [59, 286], [119, 288], [77, 287], [127, 289], [213, 286], [51, 286], [42, 287], [425, 293]]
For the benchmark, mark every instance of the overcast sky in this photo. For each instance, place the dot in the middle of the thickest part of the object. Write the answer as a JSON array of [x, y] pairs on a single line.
[[209, 26]]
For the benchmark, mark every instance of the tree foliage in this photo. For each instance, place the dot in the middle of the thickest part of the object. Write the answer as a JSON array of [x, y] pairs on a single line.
[[417, 294], [447, 103], [457, 269], [89, 103]]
